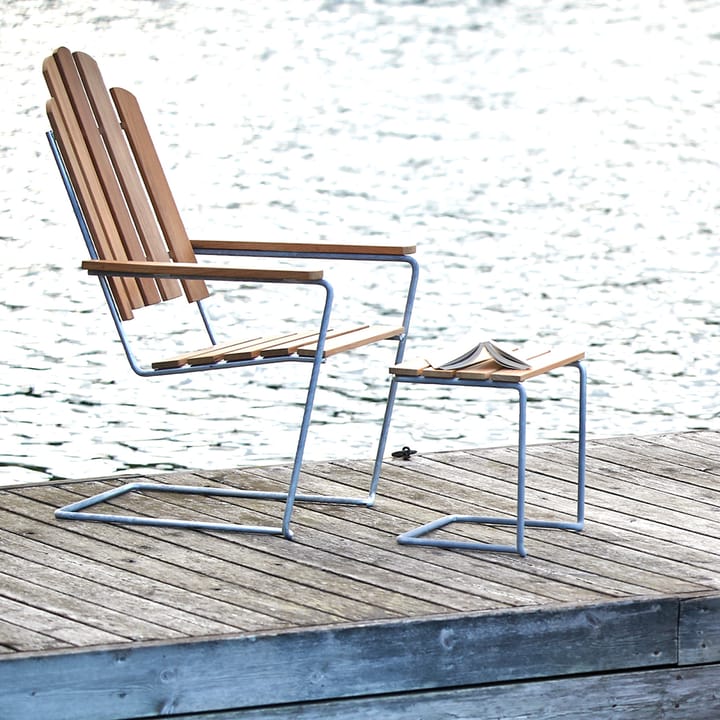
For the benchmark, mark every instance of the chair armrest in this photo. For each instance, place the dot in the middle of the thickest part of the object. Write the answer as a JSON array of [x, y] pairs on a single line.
[[298, 246], [187, 271]]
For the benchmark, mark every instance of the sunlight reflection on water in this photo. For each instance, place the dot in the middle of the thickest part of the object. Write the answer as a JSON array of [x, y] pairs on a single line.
[[556, 164]]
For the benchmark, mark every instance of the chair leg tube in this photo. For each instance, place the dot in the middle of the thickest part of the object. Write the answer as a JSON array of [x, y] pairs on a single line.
[[383, 439], [582, 434], [522, 462], [419, 535], [307, 414]]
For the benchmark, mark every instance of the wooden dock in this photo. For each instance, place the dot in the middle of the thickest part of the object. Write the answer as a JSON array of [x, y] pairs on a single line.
[[620, 621]]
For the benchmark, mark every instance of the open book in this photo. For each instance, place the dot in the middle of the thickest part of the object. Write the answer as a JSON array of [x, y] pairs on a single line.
[[500, 353]]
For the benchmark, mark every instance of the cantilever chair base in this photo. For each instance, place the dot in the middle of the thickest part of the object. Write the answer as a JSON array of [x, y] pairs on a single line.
[[422, 535], [77, 510]]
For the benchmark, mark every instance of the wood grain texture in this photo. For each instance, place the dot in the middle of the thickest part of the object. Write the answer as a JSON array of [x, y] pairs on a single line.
[[194, 270], [687, 694], [299, 246], [133, 622]]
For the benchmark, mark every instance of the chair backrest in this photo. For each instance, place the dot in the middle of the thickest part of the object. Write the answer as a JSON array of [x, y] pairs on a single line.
[[117, 177]]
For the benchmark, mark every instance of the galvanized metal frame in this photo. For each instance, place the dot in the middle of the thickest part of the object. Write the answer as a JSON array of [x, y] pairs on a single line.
[[420, 535], [78, 510]]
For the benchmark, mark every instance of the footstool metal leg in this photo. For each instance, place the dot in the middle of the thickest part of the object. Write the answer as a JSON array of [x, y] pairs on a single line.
[[419, 535]]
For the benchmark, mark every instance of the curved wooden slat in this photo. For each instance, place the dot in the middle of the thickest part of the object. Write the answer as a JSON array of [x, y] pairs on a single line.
[[157, 186], [103, 167], [96, 212], [125, 170]]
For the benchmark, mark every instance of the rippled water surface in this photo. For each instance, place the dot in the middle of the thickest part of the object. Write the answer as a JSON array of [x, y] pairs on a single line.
[[556, 163]]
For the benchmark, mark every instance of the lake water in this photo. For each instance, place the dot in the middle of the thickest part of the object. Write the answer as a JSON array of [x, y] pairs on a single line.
[[555, 162]]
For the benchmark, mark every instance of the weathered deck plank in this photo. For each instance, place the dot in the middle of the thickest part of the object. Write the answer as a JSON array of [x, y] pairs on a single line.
[[689, 694], [372, 659], [143, 622]]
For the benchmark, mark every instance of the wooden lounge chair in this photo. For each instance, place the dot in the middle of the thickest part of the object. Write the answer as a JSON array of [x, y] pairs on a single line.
[[141, 253]]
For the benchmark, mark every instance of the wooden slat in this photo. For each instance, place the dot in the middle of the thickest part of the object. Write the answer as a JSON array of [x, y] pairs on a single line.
[[125, 169], [641, 694], [157, 186], [208, 355], [292, 344], [411, 368], [351, 340], [299, 246], [541, 364], [126, 292], [301, 341], [256, 349], [484, 366], [103, 167], [484, 370], [700, 631], [370, 660], [247, 350], [203, 272], [279, 345]]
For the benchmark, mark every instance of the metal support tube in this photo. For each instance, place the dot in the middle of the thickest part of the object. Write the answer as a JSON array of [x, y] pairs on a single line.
[[419, 535]]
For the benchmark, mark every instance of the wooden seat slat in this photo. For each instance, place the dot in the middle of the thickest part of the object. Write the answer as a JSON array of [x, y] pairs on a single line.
[[217, 353], [307, 346], [410, 368], [480, 371], [213, 353], [354, 339], [541, 360], [256, 349], [541, 364], [280, 345], [251, 349], [291, 345]]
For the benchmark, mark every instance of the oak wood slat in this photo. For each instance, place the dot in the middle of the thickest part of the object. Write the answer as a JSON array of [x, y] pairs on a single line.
[[301, 246], [238, 351], [195, 270], [157, 186], [211, 354], [490, 369], [126, 291], [105, 172], [125, 170], [352, 340], [552, 360]]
